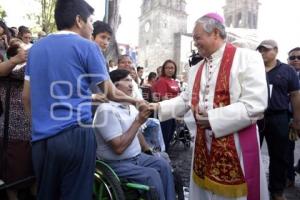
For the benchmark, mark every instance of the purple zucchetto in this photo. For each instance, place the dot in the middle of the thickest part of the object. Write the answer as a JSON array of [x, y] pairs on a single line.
[[215, 16]]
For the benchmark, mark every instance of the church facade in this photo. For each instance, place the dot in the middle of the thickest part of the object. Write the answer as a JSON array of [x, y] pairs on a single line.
[[163, 30], [241, 13], [161, 24]]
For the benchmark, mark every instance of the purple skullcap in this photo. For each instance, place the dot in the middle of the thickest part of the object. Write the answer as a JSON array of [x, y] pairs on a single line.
[[215, 16]]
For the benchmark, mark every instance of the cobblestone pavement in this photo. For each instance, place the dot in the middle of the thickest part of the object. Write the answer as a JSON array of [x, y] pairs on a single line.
[[181, 158]]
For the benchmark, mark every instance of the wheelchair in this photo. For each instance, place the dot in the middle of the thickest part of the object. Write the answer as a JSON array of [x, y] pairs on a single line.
[[108, 186], [181, 134]]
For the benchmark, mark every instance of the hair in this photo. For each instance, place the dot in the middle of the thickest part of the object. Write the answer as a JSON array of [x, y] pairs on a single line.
[[294, 49], [66, 12], [12, 50], [6, 30], [121, 57], [23, 30], [101, 27], [151, 75], [12, 32], [209, 24], [164, 66], [118, 74], [14, 41], [139, 68]]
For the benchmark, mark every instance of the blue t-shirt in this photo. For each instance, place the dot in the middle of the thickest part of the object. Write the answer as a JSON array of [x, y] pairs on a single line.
[[284, 80], [61, 68]]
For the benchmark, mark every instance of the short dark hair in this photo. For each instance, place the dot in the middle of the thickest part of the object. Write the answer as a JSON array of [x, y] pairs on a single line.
[[121, 57], [152, 75], [118, 74], [101, 27], [12, 50], [164, 66], [294, 49], [23, 31], [66, 12], [139, 68], [21, 28]]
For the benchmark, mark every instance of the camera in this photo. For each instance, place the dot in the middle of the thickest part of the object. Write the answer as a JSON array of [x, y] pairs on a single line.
[[194, 58]]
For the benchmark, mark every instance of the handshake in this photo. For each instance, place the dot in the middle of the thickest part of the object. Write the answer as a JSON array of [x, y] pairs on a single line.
[[146, 110]]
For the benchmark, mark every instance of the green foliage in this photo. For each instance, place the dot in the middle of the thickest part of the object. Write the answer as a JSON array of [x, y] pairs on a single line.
[[2, 13], [45, 19]]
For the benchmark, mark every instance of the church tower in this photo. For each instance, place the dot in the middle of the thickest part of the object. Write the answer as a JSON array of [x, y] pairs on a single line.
[[241, 13], [160, 25]]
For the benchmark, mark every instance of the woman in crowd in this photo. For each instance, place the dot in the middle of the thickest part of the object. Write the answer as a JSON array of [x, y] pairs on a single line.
[[15, 148], [4, 38], [166, 87]]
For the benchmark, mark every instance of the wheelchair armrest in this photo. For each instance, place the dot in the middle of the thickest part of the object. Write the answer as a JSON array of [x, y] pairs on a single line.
[[137, 186]]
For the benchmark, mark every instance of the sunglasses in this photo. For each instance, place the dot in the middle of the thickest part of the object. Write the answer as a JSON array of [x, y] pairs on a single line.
[[294, 57]]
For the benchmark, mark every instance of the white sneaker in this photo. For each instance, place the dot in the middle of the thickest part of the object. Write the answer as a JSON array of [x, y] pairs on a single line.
[[1, 182]]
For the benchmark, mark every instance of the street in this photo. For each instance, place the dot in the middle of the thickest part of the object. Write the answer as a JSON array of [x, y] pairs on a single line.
[[181, 158]]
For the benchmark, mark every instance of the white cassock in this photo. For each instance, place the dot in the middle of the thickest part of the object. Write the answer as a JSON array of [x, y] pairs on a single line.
[[248, 97]]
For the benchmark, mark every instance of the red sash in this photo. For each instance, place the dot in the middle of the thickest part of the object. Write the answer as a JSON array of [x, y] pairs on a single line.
[[218, 170]]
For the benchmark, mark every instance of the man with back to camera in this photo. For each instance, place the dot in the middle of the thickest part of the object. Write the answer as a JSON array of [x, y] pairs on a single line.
[[63, 141]]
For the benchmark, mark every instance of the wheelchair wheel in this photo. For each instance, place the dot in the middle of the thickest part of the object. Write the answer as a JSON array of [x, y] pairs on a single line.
[[107, 185]]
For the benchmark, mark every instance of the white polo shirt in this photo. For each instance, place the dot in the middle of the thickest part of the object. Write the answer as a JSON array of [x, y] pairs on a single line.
[[110, 121]]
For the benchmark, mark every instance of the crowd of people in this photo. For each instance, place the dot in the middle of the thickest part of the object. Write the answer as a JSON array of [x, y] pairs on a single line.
[[64, 105]]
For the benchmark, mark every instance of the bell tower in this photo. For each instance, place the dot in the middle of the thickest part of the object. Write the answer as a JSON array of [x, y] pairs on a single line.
[[241, 13], [160, 24]]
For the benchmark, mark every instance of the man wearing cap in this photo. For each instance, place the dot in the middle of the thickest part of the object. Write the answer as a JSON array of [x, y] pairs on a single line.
[[283, 88], [227, 93]]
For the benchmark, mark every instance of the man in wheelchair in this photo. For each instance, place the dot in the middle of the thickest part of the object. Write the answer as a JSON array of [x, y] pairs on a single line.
[[120, 142]]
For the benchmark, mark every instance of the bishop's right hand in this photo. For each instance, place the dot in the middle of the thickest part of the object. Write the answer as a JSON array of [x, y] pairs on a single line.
[[154, 107]]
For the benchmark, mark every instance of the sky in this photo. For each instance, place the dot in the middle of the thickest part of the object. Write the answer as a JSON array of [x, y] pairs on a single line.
[[277, 19]]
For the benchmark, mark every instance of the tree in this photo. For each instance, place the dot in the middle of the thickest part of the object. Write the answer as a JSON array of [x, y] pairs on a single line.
[[45, 19], [114, 20], [2, 13]]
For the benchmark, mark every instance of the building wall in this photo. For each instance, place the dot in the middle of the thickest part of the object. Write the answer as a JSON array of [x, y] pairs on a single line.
[[160, 23], [241, 13]]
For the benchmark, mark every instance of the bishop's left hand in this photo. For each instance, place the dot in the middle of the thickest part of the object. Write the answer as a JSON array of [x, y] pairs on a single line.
[[202, 120]]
